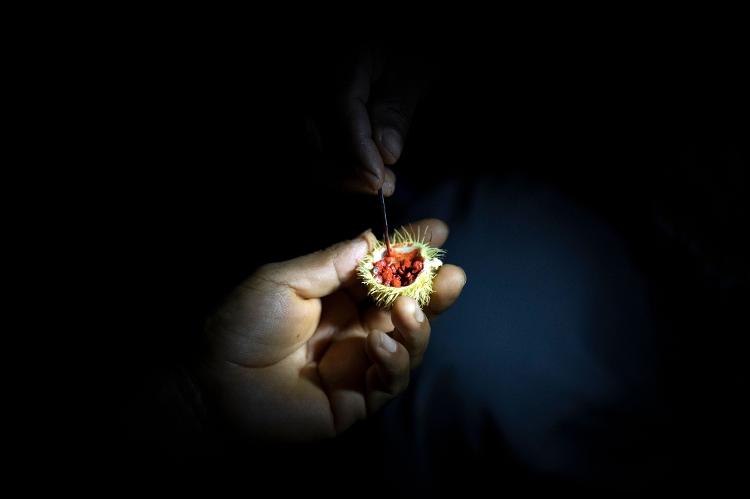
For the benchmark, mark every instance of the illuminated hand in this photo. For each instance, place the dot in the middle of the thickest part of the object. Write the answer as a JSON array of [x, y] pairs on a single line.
[[299, 353]]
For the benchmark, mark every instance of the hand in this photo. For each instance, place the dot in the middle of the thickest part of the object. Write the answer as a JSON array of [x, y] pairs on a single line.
[[373, 111], [299, 353]]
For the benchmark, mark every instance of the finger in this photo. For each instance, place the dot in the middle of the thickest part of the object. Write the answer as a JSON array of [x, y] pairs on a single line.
[[436, 231], [321, 273], [391, 117], [375, 319], [412, 329], [447, 286], [389, 374], [393, 102], [352, 107], [389, 184], [360, 182]]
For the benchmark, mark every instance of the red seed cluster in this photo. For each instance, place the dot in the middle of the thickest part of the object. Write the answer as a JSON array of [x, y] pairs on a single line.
[[398, 269]]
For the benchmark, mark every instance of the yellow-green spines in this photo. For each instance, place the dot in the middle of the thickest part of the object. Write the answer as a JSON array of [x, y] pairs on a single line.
[[421, 288]]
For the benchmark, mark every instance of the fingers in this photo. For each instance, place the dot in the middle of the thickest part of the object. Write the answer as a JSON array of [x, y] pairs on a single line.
[[389, 374], [377, 319], [447, 286], [377, 124], [436, 230], [412, 329], [352, 107], [359, 181], [370, 170], [391, 117], [394, 100], [323, 272], [393, 358]]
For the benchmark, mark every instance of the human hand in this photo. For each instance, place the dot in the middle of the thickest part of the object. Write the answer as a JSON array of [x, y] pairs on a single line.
[[299, 353], [374, 106]]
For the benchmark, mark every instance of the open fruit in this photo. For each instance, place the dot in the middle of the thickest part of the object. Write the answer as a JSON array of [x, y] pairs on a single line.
[[407, 270], [399, 268]]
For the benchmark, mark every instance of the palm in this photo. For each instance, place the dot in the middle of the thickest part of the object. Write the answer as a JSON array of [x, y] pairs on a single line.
[[312, 378], [298, 354]]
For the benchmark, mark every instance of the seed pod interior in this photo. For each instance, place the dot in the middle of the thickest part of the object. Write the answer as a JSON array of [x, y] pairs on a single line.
[[408, 270]]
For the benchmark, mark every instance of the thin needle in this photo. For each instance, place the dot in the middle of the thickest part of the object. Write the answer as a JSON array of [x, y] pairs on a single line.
[[385, 221]]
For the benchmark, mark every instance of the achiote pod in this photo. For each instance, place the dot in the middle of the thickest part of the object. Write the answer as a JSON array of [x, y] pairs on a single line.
[[408, 270]]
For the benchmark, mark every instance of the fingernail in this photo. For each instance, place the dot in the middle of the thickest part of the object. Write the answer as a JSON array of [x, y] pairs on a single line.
[[392, 142], [388, 187], [387, 343], [414, 310], [371, 178], [419, 315]]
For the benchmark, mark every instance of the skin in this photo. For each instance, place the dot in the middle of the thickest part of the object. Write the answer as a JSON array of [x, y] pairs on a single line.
[[299, 353], [376, 107]]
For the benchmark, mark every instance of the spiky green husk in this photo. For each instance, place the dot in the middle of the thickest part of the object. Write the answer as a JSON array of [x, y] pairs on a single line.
[[421, 288]]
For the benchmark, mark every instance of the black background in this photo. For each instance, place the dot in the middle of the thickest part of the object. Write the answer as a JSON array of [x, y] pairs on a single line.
[[203, 171]]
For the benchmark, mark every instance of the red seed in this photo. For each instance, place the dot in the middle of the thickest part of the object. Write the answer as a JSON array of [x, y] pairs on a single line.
[[398, 269]]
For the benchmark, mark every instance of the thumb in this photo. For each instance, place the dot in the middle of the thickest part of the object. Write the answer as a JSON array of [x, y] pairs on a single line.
[[390, 119], [321, 273]]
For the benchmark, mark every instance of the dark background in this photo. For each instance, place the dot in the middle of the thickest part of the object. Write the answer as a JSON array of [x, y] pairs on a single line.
[[207, 172]]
